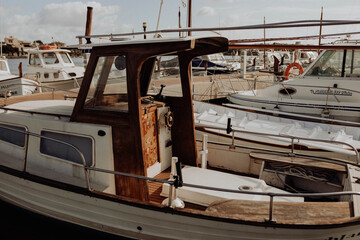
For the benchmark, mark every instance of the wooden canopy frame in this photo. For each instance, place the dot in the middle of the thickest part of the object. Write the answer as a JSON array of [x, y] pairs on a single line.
[[127, 134]]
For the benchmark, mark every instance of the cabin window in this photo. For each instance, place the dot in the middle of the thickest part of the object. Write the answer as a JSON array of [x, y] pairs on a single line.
[[34, 59], [328, 65], [66, 152], [65, 57], [12, 136], [166, 76], [50, 58], [3, 66], [337, 63], [352, 64], [108, 89]]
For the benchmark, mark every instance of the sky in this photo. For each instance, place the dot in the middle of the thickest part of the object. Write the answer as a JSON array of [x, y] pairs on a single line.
[[63, 20]]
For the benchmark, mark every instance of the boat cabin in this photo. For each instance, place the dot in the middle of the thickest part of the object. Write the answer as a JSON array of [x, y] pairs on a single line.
[[108, 96], [49, 66]]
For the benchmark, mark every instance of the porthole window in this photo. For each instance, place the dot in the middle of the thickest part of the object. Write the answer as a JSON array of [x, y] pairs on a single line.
[[287, 91]]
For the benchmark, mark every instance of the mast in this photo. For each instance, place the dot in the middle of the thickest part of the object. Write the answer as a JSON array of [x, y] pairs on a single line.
[[189, 17], [158, 21]]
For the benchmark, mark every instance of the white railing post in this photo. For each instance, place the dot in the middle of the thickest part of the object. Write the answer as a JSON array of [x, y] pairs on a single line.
[[204, 151]]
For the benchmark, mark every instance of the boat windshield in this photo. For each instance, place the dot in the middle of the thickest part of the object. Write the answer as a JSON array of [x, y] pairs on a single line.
[[50, 58], [337, 63], [65, 57], [108, 85], [3, 66], [216, 57]]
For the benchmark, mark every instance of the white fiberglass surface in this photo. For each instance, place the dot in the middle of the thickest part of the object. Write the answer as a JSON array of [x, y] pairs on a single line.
[[211, 178]]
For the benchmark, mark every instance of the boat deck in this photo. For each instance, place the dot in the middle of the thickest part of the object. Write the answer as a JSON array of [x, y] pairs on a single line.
[[155, 190], [57, 95]]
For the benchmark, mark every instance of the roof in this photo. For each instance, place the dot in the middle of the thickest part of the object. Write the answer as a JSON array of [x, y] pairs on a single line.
[[135, 41], [35, 50]]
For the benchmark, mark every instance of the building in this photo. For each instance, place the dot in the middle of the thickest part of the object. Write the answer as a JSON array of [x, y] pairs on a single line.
[[15, 43]]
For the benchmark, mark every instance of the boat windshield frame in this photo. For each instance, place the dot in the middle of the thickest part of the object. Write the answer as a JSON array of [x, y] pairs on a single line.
[[341, 63]]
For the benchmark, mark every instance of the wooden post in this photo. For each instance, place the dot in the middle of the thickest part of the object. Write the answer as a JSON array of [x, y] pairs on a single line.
[[88, 24], [264, 44], [189, 17]]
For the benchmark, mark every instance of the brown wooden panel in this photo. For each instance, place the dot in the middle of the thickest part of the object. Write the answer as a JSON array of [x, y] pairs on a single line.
[[285, 212]]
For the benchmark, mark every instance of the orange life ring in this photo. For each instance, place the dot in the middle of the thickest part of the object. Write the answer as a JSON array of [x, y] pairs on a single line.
[[47, 47], [294, 64]]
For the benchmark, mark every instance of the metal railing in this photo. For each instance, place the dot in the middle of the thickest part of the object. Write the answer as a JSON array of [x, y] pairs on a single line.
[[7, 91], [177, 182], [292, 139], [26, 144]]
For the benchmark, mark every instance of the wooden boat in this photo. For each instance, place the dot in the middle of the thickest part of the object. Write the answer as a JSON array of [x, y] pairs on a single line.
[[12, 85], [102, 161], [53, 68]]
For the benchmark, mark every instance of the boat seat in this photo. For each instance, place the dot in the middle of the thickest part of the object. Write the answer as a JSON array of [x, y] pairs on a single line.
[[284, 212]]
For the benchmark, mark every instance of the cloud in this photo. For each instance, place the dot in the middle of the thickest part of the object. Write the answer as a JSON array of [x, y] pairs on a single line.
[[63, 22], [206, 11]]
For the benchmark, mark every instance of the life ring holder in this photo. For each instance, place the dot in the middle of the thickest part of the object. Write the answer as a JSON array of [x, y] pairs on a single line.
[[169, 119], [47, 47], [294, 64]]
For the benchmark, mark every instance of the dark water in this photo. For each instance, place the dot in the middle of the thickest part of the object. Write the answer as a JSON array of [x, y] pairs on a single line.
[[16, 223]]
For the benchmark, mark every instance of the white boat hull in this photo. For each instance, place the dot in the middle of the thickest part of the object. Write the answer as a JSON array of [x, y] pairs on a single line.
[[61, 84], [17, 86], [139, 221], [338, 110]]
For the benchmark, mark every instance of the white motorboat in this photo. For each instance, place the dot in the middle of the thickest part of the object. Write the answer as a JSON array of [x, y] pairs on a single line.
[[214, 63], [53, 68], [329, 87], [102, 161], [265, 131], [12, 85]]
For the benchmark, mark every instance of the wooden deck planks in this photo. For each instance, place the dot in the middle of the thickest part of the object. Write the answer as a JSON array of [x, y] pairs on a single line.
[[155, 190], [284, 212]]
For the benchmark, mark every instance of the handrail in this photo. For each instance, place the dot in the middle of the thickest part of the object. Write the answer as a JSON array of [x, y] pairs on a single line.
[[325, 87], [272, 195], [34, 85], [175, 182], [292, 138], [27, 133], [329, 88]]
